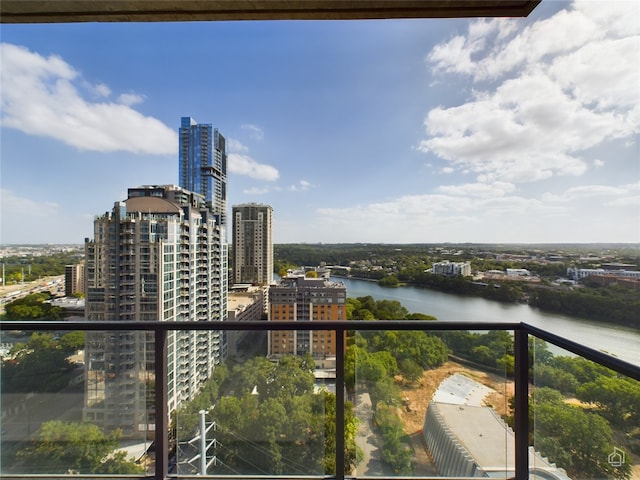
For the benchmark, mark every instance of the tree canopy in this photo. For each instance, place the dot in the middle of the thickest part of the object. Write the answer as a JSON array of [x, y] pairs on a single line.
[[64, 447], [582, 445], [41, 364], [269, 420], [33, 307]]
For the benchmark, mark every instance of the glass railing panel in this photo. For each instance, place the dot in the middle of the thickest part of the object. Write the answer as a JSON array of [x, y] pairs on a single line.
[[76, 402], [584, 417], [264, 411], [432, 404]]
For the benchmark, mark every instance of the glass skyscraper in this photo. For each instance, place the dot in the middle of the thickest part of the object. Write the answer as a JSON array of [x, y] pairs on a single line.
[[203, 164]]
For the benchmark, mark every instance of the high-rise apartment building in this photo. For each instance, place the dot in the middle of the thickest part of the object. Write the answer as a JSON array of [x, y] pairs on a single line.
[[203, 163], [154, 257], [252, 244], [298, 298], [73, 279]]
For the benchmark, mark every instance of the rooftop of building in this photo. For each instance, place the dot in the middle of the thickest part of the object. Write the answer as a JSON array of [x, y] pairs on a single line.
[[240, 300], [459, 403], [299, 280], [481, 432]]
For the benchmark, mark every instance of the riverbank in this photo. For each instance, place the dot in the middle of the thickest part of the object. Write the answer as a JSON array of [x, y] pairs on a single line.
[[620, 341], [608, 306]]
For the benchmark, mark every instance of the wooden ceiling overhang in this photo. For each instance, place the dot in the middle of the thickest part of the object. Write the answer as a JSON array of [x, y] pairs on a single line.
[[67, 11]]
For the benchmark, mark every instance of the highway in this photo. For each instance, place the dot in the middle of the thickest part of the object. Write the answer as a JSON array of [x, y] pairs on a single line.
[[9, 293]]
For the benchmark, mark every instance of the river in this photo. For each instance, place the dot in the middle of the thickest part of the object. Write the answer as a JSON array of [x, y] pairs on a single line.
[[621, 341]]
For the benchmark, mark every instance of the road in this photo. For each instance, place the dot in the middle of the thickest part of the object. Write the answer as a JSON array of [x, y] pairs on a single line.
[[50, 284]]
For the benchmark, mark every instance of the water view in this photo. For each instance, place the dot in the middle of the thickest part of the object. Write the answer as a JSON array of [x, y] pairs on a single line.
[[621, 341]]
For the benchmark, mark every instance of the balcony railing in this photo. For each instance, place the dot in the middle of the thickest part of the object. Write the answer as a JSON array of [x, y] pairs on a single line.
[[521, 333]]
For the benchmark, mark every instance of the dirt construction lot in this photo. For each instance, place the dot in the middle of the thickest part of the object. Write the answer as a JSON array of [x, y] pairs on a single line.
[[416, 397]]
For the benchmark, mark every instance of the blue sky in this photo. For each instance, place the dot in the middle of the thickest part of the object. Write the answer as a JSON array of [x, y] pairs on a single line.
[[403, 131]]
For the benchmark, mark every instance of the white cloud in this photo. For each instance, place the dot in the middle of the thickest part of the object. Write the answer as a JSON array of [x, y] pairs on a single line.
[[256, 191], [130, 99], [254, 131], [497, 189], [242, 164], [485, 213], [617, 195], [42, 96], [301, 186], [235, 146], [23, 219], [457, 217], [17, 205], [557, 95], [102, 90]]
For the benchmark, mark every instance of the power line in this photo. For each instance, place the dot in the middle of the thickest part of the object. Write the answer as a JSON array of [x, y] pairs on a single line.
[[300, 468]]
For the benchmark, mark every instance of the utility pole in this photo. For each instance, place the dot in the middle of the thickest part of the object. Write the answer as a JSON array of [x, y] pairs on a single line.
[[203, 446]]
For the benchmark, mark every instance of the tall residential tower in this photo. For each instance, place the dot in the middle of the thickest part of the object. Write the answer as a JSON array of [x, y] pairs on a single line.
[[154, 257], [252, 244]]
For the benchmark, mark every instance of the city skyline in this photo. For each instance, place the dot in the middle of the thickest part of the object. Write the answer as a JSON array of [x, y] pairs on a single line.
[[413, 131]]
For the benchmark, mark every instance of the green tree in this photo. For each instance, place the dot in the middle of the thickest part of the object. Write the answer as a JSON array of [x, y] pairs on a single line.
[[507, 363], [268, 418], [483, 354], [388, 281], [410, 370], [40, 365], [80, 447], [72, 341], [618, 399], [32, 307], [420, 316], [583, 443], [548, 376], [426, 350], [395, 450], [352, 453]]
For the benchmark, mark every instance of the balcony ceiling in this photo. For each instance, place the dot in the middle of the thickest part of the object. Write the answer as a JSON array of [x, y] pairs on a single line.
[[64, 11]]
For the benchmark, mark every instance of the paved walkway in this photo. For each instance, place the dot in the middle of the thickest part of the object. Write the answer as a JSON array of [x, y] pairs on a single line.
[[422, 466], [369, 441]]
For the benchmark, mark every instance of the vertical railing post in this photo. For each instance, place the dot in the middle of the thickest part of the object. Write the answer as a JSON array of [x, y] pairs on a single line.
[[340, 345], [521, 403], [161, 407]]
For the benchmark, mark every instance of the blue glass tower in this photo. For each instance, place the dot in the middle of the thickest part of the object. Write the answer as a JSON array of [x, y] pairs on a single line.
[[203, 164], [203, 170]]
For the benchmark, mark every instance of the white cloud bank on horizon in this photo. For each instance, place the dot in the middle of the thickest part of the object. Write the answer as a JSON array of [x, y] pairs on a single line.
[[476, 214], [43, 96], [542, 94]]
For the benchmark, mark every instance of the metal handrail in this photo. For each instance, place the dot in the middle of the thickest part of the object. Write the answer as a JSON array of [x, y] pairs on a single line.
[[521, 374]]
